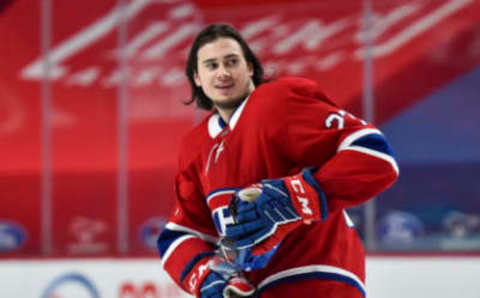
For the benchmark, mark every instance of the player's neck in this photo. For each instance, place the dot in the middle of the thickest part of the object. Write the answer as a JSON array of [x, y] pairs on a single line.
[[226, 114]]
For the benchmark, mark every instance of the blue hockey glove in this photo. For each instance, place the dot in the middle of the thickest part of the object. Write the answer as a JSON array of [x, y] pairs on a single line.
[[265, 213], [243, 259], [212, 286], [224, 281], [212, 276]]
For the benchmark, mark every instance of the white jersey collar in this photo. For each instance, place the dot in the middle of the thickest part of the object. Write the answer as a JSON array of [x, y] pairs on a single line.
[[214, 123], [214, 127]]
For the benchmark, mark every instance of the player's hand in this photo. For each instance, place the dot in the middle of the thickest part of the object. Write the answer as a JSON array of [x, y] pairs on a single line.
[[243, 260], [266, 212], [215, 278]]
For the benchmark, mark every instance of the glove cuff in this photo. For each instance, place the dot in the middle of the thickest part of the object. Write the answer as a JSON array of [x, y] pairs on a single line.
[[193, 280], [238, 287], [307, 197], [307, 175]]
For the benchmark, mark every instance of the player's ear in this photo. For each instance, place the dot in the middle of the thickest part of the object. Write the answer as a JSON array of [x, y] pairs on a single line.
[[197, 79], [250, 69]]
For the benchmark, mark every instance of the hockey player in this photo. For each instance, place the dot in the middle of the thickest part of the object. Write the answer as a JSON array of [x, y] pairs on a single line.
[[300, 157]]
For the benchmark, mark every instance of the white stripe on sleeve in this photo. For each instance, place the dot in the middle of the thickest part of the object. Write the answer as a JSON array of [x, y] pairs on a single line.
[[172, 248], [176, 227]]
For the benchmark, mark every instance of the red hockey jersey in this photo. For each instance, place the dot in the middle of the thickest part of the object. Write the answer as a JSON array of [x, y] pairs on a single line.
[[284, 126]]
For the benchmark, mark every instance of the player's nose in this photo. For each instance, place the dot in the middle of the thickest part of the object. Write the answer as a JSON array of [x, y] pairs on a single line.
[[223, 72]]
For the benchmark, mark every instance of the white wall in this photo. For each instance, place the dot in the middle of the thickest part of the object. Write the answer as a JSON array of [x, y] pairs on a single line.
[[423, 277], [387, 277]]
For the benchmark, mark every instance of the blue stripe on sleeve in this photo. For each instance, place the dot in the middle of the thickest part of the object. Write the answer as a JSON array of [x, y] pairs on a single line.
[[374, 142], [193, 262], [166, 238]]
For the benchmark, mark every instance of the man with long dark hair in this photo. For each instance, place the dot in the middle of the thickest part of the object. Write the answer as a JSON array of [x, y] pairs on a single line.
[[265, 179]]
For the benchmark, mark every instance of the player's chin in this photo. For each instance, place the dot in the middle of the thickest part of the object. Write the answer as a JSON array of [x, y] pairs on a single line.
[[224, 102]]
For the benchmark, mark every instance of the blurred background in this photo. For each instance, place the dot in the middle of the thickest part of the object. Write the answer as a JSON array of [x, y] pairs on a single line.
[[91, 114]]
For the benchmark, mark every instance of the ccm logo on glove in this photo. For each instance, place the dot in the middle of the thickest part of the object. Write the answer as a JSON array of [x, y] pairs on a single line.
[[298, 188], [194, 278]]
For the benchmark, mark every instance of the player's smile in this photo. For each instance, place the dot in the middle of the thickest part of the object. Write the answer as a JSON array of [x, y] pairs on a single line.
[[224, 86], [225, 89]]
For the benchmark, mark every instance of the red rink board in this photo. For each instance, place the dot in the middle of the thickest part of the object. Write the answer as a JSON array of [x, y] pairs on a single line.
[[419, 46]]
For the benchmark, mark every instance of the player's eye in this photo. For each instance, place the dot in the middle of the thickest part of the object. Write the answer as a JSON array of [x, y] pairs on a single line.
[[211, 65], [231, 62]]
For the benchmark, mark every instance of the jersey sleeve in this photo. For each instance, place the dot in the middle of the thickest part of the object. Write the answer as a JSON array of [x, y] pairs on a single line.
[[189, 236], [351, 158]]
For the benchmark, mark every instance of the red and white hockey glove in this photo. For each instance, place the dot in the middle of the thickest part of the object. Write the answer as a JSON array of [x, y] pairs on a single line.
[[212, 277], [266, 212]]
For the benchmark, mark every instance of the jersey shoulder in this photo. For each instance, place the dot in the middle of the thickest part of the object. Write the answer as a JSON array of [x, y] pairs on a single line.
[[288, 89]]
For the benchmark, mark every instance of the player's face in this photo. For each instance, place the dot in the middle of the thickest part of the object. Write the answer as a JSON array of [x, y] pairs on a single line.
[[223, 73]]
